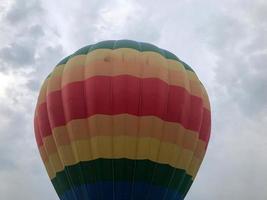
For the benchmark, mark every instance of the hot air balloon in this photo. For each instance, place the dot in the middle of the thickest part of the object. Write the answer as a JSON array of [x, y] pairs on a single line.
[[122, 120]]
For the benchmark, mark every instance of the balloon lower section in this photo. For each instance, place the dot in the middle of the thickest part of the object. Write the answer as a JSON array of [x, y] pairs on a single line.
[[121, 179], [120, 191]]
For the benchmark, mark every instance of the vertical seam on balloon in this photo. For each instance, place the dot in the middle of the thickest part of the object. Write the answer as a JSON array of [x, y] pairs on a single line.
[[147, 63], [60, 159], [139, 111], [133, 169], [39, 132], [86, 107], [42, 139], [68, 131], [188, 101], [203, 94], [98, 180], [202, 119], [112, 129], [80, 163], [173, 173], [124, 171], [190, 162], [73, 146], [52, 165], [131, 181], [136, 56], [195, 148], [160, 140], [69, 178], [198, 141]]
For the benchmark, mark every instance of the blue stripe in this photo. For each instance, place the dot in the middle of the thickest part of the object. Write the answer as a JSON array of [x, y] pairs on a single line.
[[120, 191]]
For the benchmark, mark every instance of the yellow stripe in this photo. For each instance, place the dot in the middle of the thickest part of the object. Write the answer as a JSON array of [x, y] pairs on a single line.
[[121, 147], [194, 166], [43, 153], [50, 170], [123, 124]]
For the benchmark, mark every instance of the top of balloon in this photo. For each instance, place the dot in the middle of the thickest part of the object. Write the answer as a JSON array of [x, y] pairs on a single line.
[[117, 44]]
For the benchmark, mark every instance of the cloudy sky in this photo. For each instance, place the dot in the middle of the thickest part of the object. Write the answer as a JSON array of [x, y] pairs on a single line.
[[224, 41]]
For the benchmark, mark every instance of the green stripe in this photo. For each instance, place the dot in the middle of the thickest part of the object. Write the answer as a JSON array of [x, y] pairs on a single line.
[[91, 172], [117, 44]]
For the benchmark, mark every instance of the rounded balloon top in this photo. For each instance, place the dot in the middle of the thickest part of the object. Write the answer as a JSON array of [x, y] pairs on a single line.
[[122, 119]]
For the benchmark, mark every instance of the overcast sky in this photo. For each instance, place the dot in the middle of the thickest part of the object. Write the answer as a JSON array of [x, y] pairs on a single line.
[[224, 41]]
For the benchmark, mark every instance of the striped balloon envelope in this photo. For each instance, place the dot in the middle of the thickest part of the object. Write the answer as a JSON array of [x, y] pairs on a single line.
[[122, 120]]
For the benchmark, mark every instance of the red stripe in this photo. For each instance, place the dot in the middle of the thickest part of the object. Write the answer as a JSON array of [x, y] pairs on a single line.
[[38, 137], [204, 133], [124, 94]]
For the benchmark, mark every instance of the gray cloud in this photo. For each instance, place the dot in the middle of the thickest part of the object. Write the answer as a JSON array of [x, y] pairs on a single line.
[[244, 66], [36, 31], [23, 10], [18, 54]]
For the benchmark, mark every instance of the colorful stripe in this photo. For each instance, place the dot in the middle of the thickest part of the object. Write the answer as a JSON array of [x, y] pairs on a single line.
[[122, 118]]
